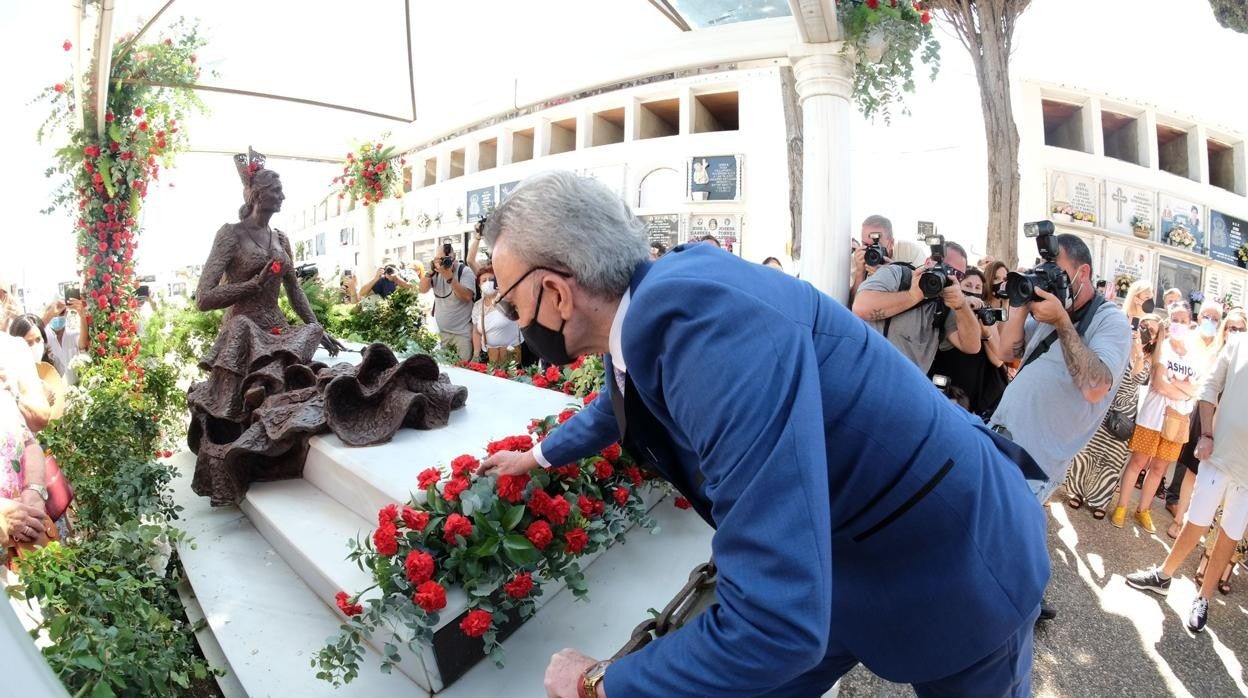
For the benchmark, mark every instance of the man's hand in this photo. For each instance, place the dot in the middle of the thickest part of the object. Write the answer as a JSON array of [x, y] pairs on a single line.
[[951, 295], [1204, 448], [75, 304], [446, 272], [1048, 309], [563, 674], [508, 463]]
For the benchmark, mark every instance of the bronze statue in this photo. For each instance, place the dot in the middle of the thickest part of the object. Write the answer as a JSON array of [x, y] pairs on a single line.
[[264, 397]]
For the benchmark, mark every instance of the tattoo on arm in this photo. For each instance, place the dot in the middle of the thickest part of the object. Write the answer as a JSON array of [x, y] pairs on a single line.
[[1088, 371], [878, 315]]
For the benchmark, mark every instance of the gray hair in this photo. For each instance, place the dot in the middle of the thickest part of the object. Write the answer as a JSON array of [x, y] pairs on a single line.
[[561, 220], [881, 221]]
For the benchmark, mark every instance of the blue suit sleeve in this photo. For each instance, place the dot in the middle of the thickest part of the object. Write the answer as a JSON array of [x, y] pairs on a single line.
[[591, 430], [741, 382]]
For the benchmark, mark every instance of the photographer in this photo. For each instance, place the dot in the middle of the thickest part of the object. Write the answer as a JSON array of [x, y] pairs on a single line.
[[893, 301], [454, 287], [883, 249], [981, 376], [385, 281]]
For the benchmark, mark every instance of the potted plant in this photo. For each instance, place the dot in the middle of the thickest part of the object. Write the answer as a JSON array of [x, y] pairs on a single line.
[[1180, 237], [1241, 255], [1142, 227], [880, 39]]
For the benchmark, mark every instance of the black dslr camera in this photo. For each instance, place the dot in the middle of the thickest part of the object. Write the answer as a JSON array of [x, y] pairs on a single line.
[[446, 260], [940, 275], [875, 254], [990, 316], [303, 272], [1021, 288]]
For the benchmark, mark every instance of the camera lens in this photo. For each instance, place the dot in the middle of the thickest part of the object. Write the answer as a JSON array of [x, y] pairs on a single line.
[[932, 282], [1020, 288], [873, 257]]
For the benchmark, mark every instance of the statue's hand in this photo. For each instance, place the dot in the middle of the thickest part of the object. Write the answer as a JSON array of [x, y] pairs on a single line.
[[332, 345], [266, 272]]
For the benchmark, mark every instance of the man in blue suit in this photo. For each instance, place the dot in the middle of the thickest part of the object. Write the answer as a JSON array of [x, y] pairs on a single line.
[[860, 516]]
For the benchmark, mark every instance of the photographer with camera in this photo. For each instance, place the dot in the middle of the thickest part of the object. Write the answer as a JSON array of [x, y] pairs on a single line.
[[385, 281], [981, 376], [875, 251], [454, 286], [921, 308]]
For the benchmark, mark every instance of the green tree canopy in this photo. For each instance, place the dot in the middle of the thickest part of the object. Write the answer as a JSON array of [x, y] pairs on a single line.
[[1232, 14]]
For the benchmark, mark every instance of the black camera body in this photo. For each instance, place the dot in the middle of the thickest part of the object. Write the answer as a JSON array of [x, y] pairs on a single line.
[[940, 274], [388, 270], [874, 254], [1020, 288], [990, 316], [446, 260], [303, 272]]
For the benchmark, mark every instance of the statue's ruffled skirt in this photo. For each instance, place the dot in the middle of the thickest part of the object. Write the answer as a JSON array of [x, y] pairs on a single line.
[[264, 399]]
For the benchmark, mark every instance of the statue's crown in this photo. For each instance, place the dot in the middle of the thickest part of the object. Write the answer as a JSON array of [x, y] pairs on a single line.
[[248, 164]]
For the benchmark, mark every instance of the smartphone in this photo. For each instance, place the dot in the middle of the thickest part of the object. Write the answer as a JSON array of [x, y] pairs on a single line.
[[1135, 324], [72, 292]]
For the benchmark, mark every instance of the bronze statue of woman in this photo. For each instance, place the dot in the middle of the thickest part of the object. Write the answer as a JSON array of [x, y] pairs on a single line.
[[264, 397]]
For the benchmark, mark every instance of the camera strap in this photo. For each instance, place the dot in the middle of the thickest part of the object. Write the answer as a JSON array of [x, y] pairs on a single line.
[[1084, 321], [904, 286]]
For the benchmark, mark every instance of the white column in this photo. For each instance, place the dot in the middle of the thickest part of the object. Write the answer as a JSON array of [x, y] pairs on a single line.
[[824, 83], [1198, 154]]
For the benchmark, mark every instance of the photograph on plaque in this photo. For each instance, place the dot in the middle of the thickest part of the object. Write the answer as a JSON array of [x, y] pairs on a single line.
[[1130, 210], [1124, 264], [505, 189], [480, 203], [1181, 224], [1074, 198], [1176, 273], [724, 227], [714, 178], [1226, 238], [663, 228]]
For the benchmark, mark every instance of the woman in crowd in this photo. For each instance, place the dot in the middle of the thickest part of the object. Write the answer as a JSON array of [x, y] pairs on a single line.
[[980, 376], [1094, 473], [1139, 300], [36, 392], [64, 342], [1172, 389], [994, 280], [773, 263], [30, 329], [492, 332], [23, 514]]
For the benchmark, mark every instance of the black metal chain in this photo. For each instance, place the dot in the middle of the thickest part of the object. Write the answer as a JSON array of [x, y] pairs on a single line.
[[677, 611]]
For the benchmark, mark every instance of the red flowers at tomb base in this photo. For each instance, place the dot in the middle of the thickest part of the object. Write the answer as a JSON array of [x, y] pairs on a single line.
[[348, 609], [476, 623]]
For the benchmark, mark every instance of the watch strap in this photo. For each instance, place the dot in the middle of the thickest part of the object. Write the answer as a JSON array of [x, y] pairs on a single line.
[[591, 678]]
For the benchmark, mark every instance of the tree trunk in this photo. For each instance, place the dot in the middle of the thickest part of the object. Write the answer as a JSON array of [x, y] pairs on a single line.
[[1000, 134], [793, 139]]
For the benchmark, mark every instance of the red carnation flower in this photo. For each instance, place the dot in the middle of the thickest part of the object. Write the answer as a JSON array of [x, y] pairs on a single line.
[[384, 540], [612, 452], [580, 360], [553, 374], [540, 382], [454, 487], [387, 514], [519, 586], [570, 471], [138, 111], [539, 534], [621, 495], [633, 473], [59, 87], [925, 17], [463, 465], [589, 506], [511, 487], [427, 477], [500, 373], [67, 45], [566, 415], [603, 470], [873, 4], [575, 541], [558, 510], [476, 623], [415, 520], [590, 398], [681, 503], [430, 596], [275, 331], [456, 524], [275, 267], [344, 605], [419, 567]]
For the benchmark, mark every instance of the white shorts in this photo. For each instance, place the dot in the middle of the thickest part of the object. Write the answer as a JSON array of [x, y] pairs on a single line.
[[1214, 487]]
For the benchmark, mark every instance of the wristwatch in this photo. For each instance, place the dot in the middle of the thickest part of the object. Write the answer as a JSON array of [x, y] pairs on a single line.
[[39, 490], [592, 677]]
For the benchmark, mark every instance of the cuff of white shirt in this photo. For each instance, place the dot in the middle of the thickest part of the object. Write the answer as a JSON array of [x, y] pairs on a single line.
[[537, 456]]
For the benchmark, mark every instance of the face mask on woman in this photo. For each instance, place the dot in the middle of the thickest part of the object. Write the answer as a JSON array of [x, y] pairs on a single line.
[[1178, 330], [1208, 328], [488, 287], [57, 324], [36, 350], [1148, 306]]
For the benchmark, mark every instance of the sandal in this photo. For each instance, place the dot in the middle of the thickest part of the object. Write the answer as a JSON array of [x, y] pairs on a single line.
[[1224, 584], [1200, 568], [1098, 514], [1174, 530], [1074, 502]]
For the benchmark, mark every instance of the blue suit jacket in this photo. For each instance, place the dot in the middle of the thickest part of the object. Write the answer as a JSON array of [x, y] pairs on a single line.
[[857, 510]]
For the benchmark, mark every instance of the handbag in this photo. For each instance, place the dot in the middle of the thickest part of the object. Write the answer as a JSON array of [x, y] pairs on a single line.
[[60, 492], [1175, 426], [1119, 425]]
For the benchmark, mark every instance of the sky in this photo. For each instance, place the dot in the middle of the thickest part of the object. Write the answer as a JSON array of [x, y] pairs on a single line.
[[927, 166]]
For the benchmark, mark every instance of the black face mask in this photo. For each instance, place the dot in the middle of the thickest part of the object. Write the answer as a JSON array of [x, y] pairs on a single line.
[[1148, 306], [549, 344]]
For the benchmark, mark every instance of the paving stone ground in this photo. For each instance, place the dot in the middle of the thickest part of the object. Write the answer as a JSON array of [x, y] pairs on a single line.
[[1111, 640]]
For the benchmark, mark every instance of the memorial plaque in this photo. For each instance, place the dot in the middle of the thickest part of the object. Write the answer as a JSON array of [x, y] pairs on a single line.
[[480, 203], [1126, 205], [715, 178], [1181, 224], [1074, 198], [663, 228], [1226, 236], [1177, 273], [725, 227], [505, 189], [1124, 264]]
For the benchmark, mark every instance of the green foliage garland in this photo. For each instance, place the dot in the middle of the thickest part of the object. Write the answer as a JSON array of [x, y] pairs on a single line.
[[903, 28]]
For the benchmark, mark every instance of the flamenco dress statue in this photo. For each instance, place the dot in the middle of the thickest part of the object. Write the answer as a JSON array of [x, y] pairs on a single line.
[[264, 397]]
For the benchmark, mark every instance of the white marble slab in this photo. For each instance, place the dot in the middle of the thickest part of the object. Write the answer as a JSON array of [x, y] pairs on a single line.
[[646, 572]]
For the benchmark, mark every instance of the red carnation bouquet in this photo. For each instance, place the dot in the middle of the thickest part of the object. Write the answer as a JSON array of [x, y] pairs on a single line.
[[371, 174]]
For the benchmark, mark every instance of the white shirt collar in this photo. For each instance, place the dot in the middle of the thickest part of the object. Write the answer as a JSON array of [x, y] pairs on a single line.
[[615, 342]]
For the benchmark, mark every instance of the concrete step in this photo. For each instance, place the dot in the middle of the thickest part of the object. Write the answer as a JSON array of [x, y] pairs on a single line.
[[366, 479], [268, 623]]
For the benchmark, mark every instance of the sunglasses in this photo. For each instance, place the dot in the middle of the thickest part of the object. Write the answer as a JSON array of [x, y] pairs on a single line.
[[1233, 329], [506, 307]]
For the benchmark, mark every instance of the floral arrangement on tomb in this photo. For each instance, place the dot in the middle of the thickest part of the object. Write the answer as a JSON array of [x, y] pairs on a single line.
[[1141, 223], [881, 38], [582, 377], [1241, 254], [1122, 283], [371, 174], [501, 539], [111, 160], [1180, 237]]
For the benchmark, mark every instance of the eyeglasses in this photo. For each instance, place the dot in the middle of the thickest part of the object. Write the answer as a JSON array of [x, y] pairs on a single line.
[[959, 275], [507, 308], [1233, 329]]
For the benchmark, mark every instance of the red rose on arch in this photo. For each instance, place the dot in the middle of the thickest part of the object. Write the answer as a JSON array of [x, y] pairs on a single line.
[[511, 487], [428, 477], [344, 605], [575, 540], [476, 623], [454, 487], [384, 540], [519, 586], [925, 17], [873, 4], [430, 596], [456, 524], [415, 520], [419, 567], [539, 534]]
